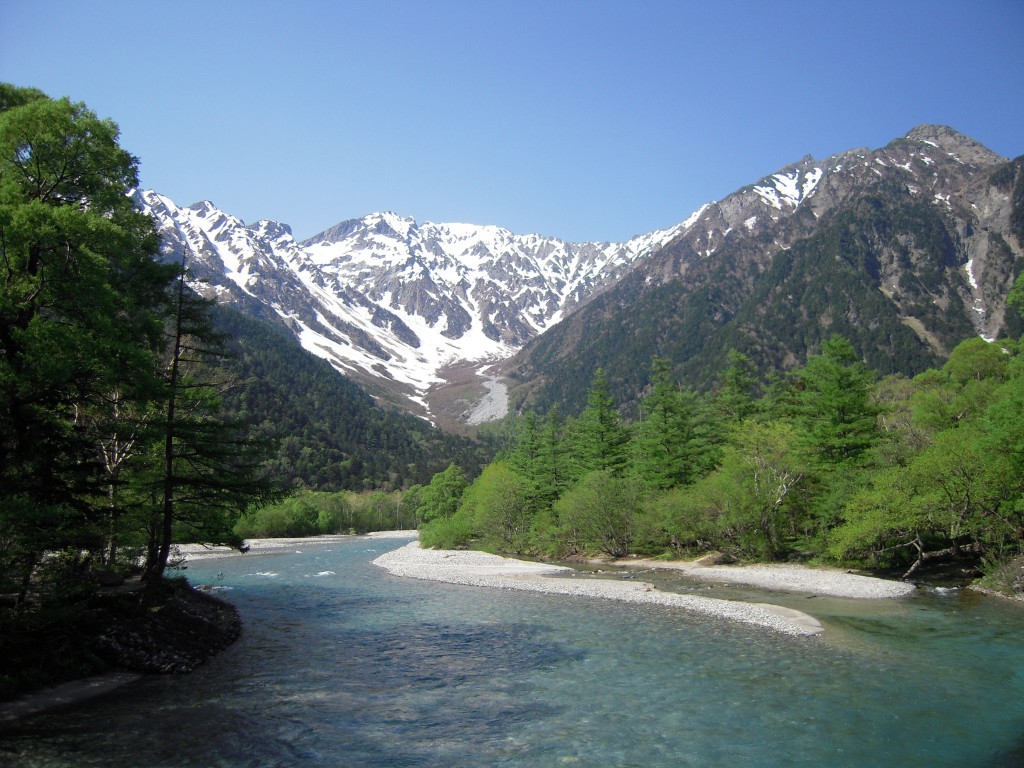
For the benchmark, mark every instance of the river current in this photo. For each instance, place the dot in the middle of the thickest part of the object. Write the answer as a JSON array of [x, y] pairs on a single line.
[[341, 664]]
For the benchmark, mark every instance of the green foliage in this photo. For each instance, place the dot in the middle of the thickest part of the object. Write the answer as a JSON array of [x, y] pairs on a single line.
[[1015, 298], [453, 532], [673, 443], [600, 512], [734, 397], [834, 406], [497, 504], [82, 304], [877, 521], [447, 523], [441, 498], [296, 516], [313, 513], [830, 462], [112, 443], [598, 439], [960, 493]]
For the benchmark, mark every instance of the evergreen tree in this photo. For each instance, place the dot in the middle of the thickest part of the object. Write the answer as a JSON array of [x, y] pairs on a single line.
[[207, 465], [671, 444], [835, 406], [552, 459], [734, 398], [599, 440], [525, 460]]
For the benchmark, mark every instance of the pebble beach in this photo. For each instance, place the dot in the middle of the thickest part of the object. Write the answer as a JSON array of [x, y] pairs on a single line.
[[485, 570]]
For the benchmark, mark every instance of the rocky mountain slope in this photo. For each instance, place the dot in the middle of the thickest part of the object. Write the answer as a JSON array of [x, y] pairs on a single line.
[[906, 249], [403, 307]]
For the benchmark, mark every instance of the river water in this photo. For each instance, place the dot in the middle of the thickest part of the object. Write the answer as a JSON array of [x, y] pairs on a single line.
[[341, 664]]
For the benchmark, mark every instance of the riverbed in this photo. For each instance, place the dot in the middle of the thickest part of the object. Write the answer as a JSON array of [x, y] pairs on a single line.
[[343, 664]]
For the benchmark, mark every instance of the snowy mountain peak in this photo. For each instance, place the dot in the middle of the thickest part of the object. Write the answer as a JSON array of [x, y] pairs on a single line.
[[409, 306], [386, 297]]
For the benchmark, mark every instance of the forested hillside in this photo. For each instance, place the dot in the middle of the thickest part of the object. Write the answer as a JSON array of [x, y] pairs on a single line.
[[324, 432], [831, 463], [905, 251]]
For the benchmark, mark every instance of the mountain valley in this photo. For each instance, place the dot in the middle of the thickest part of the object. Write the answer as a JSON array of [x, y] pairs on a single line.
[[906, 250]]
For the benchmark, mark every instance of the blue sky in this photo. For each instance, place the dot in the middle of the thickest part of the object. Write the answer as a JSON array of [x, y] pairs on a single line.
[[581, 119]]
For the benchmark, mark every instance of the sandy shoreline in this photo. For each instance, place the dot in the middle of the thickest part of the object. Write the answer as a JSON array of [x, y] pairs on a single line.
[[484, 570]]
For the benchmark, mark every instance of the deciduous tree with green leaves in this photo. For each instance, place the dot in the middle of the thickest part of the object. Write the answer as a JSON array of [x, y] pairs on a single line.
[[81, 307], [600, 512], [443, 494]]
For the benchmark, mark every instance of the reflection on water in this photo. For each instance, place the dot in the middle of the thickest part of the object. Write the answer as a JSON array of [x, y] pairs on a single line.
[[343, 665]]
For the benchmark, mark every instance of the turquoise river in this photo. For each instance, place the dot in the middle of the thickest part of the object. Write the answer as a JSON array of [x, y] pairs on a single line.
[[341, 664]]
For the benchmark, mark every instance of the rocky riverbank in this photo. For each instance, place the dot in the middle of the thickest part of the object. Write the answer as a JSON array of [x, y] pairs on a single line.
[[115, 632], [177, 634]]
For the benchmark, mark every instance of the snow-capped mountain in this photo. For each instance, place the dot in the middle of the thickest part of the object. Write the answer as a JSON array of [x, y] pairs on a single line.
[[390, 300], [420, 311]]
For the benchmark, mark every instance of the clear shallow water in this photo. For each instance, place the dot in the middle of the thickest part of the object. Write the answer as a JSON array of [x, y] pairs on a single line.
[[341, 664]]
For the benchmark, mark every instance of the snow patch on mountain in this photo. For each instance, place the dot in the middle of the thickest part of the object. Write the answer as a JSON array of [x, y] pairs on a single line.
[[387, 297], [788, 189]]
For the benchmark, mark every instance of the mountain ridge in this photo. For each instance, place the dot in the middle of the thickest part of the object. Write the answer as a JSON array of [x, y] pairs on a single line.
[[385, 298], [423, 314], [937, 251]]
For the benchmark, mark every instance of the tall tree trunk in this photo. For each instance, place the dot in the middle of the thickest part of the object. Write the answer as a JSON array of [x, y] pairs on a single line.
[[165, 529]]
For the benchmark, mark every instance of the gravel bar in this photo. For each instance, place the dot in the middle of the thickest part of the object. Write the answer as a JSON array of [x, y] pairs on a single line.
[[784, 578], [480, 569]]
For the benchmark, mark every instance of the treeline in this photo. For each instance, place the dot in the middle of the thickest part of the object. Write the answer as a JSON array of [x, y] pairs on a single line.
[[825, 462], [314, 513]]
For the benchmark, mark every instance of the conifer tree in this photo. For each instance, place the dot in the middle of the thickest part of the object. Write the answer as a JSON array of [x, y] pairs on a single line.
[[671, 444], [835, 406], [599, 440], [552, 459], [207, 467], [734, 399]]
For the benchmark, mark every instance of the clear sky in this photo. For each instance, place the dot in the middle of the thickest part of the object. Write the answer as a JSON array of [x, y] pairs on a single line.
[[581, 119]]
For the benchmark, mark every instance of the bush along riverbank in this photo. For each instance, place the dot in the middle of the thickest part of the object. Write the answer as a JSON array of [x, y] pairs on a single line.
[[175, 628]]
